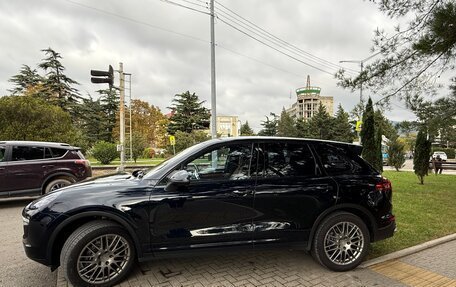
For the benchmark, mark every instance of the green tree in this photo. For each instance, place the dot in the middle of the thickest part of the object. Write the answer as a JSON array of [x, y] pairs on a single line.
[[396, 153], [422, 154], [139, 144], [378, 163], [59, 87], [246, 130], [414, 55], [368, 135], [302, 128], [269, 126], [185, 140], [188, 114], [30, 118], [321, 125], [104, 152], [343, 130], [109, 101], [25, 80], [286, 126]]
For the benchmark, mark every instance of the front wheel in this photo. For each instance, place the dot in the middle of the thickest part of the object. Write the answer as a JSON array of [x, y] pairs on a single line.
[[99, 253], [341, 242]]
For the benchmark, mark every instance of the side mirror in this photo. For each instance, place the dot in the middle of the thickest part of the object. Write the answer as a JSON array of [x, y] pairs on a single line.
[[139, 173], [178, 180]]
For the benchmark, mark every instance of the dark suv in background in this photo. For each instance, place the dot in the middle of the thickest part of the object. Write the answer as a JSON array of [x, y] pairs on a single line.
[[224, 193], [34, 168]]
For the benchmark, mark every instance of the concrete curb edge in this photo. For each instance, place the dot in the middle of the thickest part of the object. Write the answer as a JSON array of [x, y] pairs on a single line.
[[408, 251]]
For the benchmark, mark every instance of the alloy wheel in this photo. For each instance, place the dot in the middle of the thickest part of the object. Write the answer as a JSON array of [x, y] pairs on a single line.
[[344, 243], [103, 258]]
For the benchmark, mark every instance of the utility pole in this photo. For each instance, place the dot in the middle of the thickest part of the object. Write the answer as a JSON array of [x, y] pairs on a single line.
[[213, 92], [122, 117]]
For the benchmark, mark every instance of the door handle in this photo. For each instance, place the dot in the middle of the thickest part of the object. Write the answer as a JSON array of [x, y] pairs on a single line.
[[242, 192]]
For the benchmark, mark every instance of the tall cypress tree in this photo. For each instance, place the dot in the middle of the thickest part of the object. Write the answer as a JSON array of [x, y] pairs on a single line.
[[368, 135], [422, 154], [286, 125]]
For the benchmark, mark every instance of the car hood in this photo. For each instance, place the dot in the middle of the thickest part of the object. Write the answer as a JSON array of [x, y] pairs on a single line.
[[104, 191]]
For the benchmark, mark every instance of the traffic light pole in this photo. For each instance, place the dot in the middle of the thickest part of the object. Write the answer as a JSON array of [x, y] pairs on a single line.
[[122, 117], [213, 90]]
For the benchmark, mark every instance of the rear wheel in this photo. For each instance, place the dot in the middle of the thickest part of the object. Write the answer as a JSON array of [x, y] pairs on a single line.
[[57, 183], [341, 241], [99, 253]]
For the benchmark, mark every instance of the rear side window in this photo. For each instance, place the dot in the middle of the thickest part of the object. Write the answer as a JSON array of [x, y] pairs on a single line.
[[287, 159], [27, 153], [338, 160], [58, 152]]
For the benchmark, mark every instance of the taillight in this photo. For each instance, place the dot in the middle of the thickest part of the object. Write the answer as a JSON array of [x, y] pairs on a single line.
[[82, 161], [384, 185]]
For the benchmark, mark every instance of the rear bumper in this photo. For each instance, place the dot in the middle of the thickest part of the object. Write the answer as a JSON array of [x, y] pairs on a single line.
[[385, 232]]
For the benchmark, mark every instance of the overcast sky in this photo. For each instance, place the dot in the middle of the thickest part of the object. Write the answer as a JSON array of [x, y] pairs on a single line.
[[166, 48]]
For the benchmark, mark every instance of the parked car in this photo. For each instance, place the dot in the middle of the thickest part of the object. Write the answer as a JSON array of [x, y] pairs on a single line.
[[439, 154], [224, 193], [35, 168]]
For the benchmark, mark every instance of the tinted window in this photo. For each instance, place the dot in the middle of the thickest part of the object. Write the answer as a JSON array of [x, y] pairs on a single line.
[[27, 153], [286, 159], [228, 162], [2, 153], [47, 153], [58, 152], [338, 160]]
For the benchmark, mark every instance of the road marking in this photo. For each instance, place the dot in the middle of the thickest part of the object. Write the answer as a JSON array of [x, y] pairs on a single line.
[[412, 275]]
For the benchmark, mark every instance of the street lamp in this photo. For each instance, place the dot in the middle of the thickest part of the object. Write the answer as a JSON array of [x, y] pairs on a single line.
[[361, 64]]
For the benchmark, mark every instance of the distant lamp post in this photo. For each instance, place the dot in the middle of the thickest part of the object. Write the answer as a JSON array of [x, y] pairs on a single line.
[[361, 64]]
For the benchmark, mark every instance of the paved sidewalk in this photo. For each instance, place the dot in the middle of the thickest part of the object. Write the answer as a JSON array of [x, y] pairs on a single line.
[[431, 267]]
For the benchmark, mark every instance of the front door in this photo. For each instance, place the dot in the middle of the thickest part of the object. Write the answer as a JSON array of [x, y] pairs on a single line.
[[214, 209], [291, 192], [3, 172]]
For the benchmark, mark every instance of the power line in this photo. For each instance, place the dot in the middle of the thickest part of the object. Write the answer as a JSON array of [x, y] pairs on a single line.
[[274, 48], [186, 7], [136, 21], [274, 42], [179, 34], [283, 42]]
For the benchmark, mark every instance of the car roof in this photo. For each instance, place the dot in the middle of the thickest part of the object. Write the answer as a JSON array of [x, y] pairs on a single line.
[[39, 143], [354, 147]]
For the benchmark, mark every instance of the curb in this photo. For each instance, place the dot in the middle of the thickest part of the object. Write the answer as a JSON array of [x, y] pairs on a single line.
[[408, 251]]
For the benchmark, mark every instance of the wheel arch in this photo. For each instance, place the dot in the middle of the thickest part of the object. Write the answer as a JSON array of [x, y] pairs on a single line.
[[56, 175], [69, 225], [362, 212]]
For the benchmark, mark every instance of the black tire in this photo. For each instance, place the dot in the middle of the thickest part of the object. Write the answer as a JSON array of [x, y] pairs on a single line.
[[58, 183], [339, 250], [75, 257]]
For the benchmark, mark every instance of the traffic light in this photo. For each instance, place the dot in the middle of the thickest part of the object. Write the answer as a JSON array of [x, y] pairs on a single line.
[[101, 77]]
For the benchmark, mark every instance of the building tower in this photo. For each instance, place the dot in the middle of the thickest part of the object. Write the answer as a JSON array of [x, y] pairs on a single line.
[[308, 100]]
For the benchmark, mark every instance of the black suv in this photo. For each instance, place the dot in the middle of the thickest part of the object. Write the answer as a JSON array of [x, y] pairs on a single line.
[[34, 168], [234, 192]]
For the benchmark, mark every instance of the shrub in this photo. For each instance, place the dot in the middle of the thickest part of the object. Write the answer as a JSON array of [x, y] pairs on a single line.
[[104, 152], [148, 153]]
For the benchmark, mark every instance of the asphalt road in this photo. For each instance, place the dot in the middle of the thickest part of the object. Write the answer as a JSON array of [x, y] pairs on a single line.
[[15, 268]]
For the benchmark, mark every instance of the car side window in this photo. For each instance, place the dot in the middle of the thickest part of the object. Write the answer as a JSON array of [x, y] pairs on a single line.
[[288, 160], [337, 160], [27, 153], [228, 162], [58, 152], [2, 153]]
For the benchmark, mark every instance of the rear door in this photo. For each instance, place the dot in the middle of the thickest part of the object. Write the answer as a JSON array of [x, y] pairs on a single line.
[[291, 192]]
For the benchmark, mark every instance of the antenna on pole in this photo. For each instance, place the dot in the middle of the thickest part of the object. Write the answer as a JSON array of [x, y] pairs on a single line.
[[308, 82]]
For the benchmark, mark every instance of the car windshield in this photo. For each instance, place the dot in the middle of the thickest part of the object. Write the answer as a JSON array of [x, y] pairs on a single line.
[[156, 172]]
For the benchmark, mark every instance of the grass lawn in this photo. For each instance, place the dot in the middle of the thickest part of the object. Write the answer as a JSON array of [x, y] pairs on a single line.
[[423, 212], [140, 161]]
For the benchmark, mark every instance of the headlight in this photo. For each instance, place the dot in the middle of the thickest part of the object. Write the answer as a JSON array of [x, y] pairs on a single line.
[[43, 201]]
